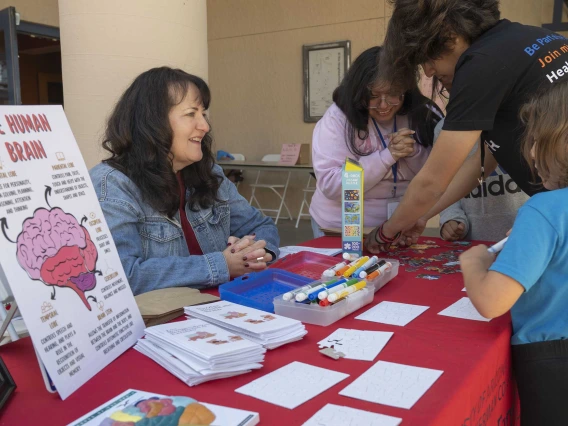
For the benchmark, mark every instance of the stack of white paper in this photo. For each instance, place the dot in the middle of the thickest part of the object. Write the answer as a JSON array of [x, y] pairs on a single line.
[[268, 330], [195, 351]]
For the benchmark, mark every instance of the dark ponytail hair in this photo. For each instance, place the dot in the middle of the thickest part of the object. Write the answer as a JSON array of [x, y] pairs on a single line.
[[139, 138]]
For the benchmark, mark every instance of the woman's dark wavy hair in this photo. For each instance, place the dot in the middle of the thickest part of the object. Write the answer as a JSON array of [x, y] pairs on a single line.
[[139, 138], [352, 97], [421, 30]]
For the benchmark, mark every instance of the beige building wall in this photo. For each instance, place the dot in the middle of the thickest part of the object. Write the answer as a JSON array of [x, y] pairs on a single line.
[[105, 44], [255, 66], [547, 13], [255, 70], [525, 11]]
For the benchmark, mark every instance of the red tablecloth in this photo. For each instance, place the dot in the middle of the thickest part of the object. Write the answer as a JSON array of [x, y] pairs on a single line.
[[476, 387]]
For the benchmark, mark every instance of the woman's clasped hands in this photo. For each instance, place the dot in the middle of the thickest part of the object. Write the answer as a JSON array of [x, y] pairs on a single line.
[[401, 143], [244, 255]]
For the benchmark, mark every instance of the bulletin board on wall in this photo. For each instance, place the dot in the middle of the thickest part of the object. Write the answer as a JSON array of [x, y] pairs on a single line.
[[325, 64]]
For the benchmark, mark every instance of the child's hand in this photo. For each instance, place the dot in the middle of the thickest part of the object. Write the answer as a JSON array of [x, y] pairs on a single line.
[[452, 230], [477, 257]]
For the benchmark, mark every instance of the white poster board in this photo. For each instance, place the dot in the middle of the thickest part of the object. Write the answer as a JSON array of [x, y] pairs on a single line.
[[326, 73], [57, 252]]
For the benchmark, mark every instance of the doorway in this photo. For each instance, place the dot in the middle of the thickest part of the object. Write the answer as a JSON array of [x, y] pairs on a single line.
[[30, 62]]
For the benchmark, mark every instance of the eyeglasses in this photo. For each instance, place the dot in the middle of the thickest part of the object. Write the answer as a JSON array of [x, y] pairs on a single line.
[[391, 100], [444, 93]]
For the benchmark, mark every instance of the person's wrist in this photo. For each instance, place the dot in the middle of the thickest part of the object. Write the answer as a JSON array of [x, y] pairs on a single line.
[[387, 231], [381, 238]]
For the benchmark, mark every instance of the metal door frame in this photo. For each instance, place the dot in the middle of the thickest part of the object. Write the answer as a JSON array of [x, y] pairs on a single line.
[[11, 25]]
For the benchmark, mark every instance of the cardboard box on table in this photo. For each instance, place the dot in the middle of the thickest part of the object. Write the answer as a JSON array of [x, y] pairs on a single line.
[[352, 182]]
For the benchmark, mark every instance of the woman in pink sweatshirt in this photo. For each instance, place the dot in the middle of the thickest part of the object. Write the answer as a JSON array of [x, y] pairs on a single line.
[[388, 130]]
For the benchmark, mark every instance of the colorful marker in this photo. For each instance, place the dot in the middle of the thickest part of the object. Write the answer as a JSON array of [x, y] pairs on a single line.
[[357, 265], [373, 275], [340, 271], [334, 297], [350, 256], [340, 286], [331, 271], [352, 298], [313, 295], [304, 295], [496, 248], [384, 267], [291, 294], [373, 260], [368, 271]]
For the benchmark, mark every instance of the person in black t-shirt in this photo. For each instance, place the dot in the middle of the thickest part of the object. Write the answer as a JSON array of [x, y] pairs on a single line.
[[491, 67]]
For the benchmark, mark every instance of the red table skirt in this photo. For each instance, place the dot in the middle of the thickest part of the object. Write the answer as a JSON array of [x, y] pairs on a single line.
[[476, 387]]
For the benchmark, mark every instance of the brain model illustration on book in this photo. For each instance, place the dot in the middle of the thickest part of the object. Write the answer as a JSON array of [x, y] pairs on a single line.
[[171, 411]]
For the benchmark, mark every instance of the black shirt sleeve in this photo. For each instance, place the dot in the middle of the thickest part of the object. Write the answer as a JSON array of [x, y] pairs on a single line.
[[479, 87]]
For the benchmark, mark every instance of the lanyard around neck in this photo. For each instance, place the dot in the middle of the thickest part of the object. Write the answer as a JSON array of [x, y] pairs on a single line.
[[394, 167]]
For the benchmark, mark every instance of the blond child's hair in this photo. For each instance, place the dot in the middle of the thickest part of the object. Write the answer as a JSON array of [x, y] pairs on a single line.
[[546, 120]]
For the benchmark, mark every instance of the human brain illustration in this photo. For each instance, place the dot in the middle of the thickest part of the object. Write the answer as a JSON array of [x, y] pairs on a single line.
[[54, 248], [158, 411]]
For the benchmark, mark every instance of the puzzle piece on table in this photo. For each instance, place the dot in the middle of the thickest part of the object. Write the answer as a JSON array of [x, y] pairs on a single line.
[[423, 246], [330, 342], [429, 242], [428, 277], [417, 262], [411, 269], [332, 353], [447, 271], [434, 268], [461, 243], [450, 256], [455, 263]]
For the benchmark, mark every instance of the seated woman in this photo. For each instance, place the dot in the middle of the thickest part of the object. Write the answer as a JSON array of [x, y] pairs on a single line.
[[388, 130], [175, 218]]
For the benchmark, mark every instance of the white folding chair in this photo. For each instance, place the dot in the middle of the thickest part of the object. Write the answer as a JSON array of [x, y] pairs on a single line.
[[275, 188], [238, 157], [307, 190]]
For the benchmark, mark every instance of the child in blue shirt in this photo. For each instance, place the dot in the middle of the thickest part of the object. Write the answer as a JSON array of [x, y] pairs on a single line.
[[530, 275]]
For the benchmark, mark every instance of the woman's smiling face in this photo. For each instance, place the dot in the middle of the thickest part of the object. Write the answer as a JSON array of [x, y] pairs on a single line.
[[384, 103], [188, 120]]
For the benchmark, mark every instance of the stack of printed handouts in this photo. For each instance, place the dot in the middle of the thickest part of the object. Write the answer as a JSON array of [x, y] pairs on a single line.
[[268, 330], [195, 351]]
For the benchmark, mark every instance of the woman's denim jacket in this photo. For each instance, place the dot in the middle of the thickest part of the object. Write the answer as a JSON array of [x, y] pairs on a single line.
[[152, 247]]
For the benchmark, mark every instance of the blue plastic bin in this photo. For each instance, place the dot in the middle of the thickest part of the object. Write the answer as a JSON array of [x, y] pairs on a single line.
[[258, 289]]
